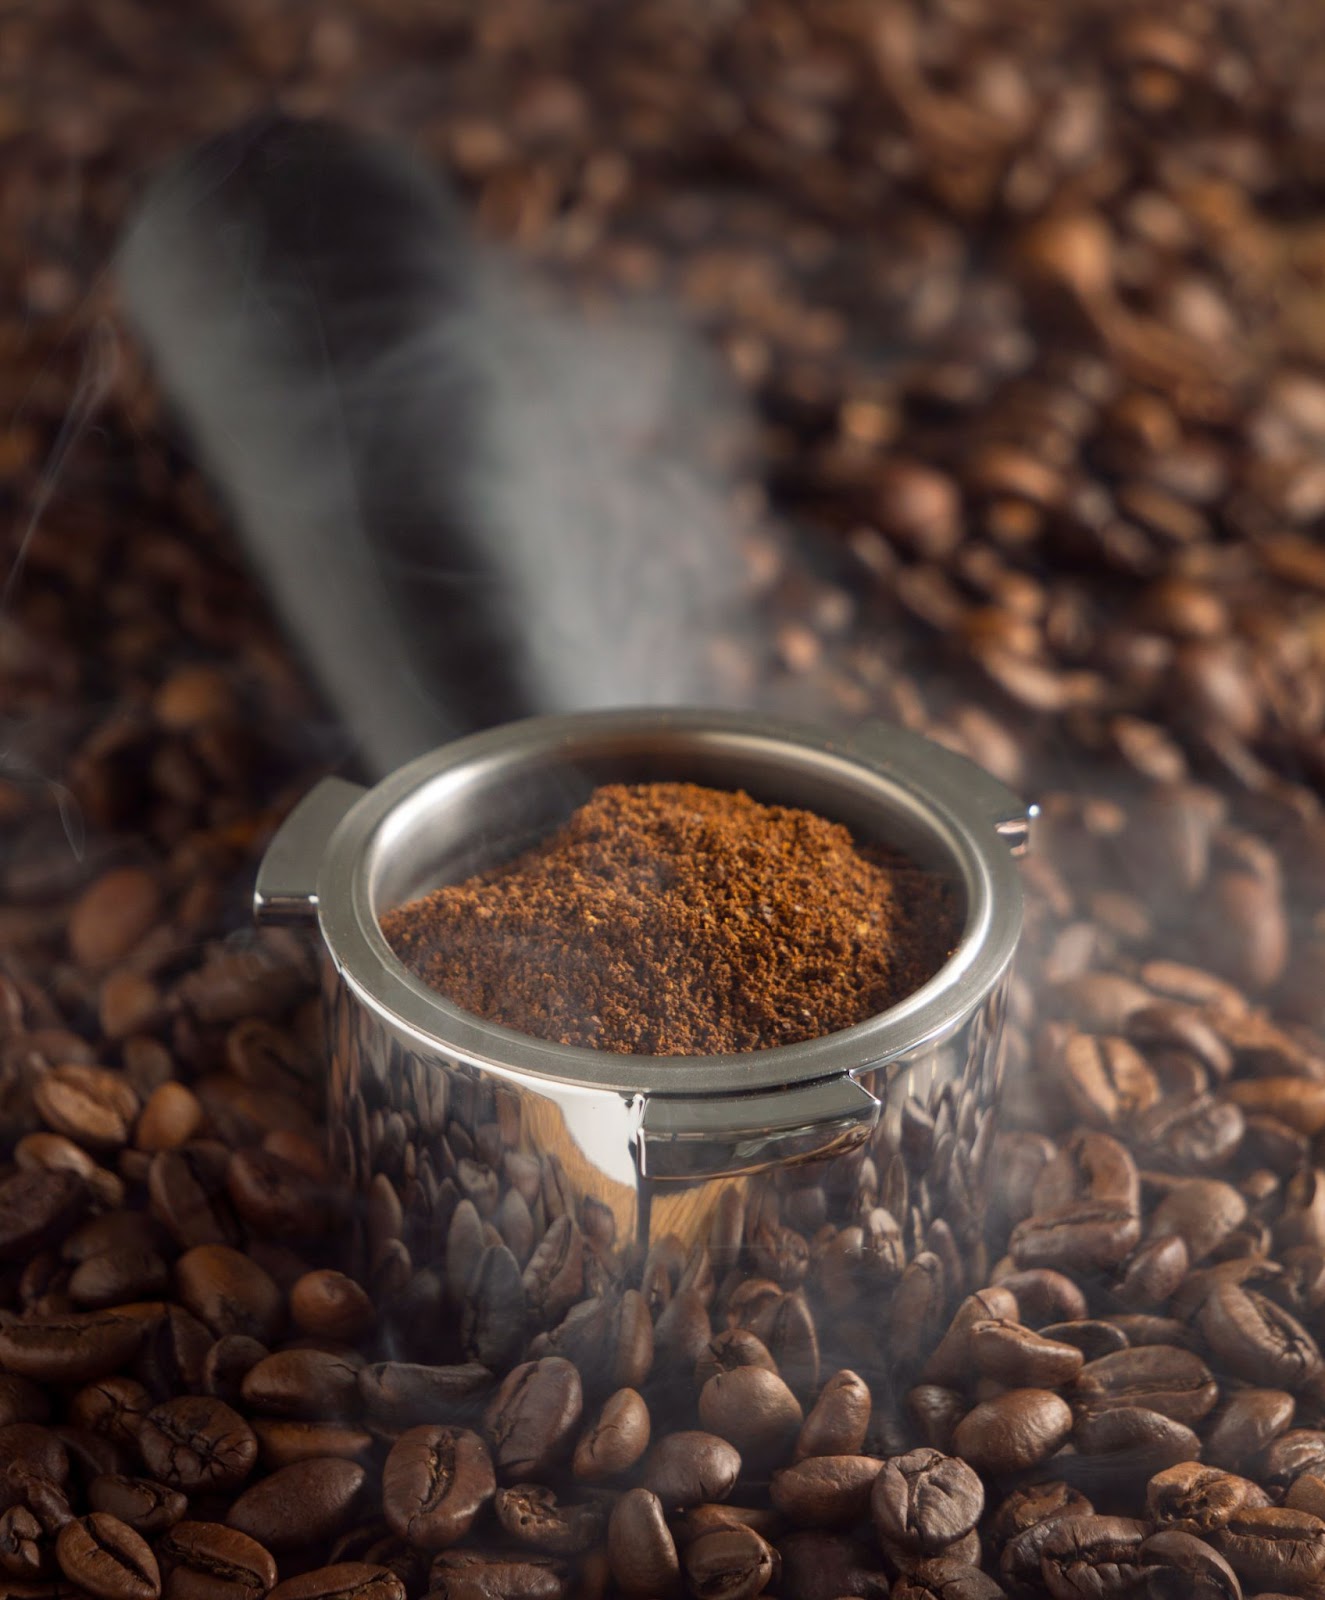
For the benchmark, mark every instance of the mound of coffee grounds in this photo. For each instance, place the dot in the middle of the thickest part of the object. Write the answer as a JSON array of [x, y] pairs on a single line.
[[671, 919]]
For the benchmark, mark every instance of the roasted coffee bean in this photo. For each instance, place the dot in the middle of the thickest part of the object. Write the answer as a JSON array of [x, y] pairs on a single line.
[[553, 1278], [174, 1353], [640, 1549], [949, 1363], [729, 1350], [187, 1192], [1254, 1339], [824, 1566], [1035, 1504], [615, 1440], [230, 1293], [492, 1328], [1022, 1358], [936, 1412], [331, 1306], [435, 1482], [686, 1468], [37, 1210], [227, 1363], [76, 1347], [306, 1503], [1043, 1296], [754, 1410], [1091, 1336], [1153, 1272], [1194, 1499], [116, 1277], [1181, 1567], [1107, 1080], [102, 1555], [90, 1105], [825, 1491], [114, 1407], [727, 1564], [533, 1515], [943, 1579], [278, 1199], [680, 1335], [1157, 1377], [197, 1443], [922, 1502], [532, 1418], [148, 1508], [838, 1420], [345, 1580], [208, 1561], [1297, 1451], [282, 1442], [1014, 1432], [1307, 1493], [1087, 1235], [470, 1575], [1125, 1447], [1201, 1212], [400, 1394], [29, 1447], [302, 1383], [1273, 1547], [1093, 1555], [1248, 1420]]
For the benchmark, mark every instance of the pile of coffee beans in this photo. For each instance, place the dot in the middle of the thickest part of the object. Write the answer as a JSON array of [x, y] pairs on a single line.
[[1028, 304]]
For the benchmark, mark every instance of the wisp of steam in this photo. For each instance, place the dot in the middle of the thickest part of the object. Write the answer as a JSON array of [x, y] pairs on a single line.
[[469, 501]]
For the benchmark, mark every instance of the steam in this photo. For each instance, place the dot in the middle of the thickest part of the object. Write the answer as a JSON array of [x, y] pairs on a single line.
[[470, 499]]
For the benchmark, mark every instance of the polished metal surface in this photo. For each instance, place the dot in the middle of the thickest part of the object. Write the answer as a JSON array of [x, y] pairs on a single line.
[[441, 1106]]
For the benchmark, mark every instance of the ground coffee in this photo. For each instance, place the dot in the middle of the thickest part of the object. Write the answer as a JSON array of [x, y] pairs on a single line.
[[670, 919]]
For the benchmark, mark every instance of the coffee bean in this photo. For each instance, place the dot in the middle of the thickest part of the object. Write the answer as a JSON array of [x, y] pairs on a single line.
[[1022, 1358], [1307, 1493], [1297, 1451], [754, 1410], [825, 1491], [936, 1411], [21, 1401], [730, 1349], [943, 1579], [76, 1347], [1247, 1421], [112, 915], [1255, 1339], [1273, 1547], [822, 1566], [1126, 1446], [435, 1482], [114, 1407], [208, 1561], [101, 1554], [90, 1105], [227, 1363], [728, 1564], [1158, 1377], [615, 1440], [1181, 1567], [1014, 1432], [187, 1191], [400, 1394], [282, 1443], [197, 1443], [533, 1515], [118, 1276], [471, 1575], [276, 1198], [37, 1210], [1087, 1235], [346, 1580], [923, 1502], [302, 1504], [640, 1549], [532, 1418], [837, 1422], [148, 1508], [1100, 1555], [949, 1364], [686, 1468], [331, 1306], [553, 1278], [1201, 1212], [1195, 1499], [492, 1329], [303, 1383], [1107, 1080], [230, 1293]]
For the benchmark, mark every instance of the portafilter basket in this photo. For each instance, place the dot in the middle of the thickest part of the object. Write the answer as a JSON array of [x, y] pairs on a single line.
[[440, 1106]]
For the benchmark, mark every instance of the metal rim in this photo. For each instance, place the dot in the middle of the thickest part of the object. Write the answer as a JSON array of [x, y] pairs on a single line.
[[367, 964]]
